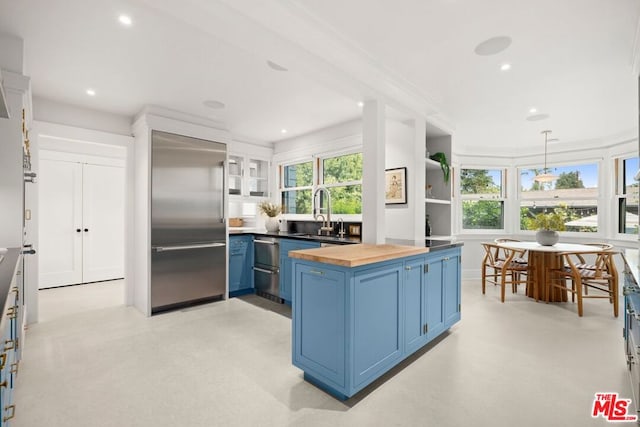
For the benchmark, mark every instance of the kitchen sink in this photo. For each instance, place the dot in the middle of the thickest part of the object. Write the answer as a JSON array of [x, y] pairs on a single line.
[[320, 238]]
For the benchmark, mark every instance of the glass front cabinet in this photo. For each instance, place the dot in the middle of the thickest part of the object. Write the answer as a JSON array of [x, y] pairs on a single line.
[[248, 176]]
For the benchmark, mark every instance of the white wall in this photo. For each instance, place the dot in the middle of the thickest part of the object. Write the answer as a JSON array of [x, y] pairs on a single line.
[[399, 152], [46, 110]]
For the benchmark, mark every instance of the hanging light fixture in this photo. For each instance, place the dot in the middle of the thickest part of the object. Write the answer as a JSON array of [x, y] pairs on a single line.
[[544, 176]]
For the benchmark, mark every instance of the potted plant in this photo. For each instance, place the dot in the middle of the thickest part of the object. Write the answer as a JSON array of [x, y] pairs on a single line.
[[444, 165], [271, 210], [548, 224]]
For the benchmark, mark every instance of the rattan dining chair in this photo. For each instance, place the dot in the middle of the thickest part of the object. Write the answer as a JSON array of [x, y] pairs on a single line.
[[502, 266], [602, 277]]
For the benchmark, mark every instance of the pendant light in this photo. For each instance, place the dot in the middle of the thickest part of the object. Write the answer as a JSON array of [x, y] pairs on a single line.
[[544, 176]]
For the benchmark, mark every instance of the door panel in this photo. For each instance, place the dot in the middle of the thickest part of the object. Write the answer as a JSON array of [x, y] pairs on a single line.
[[103, 222], [60, 246]]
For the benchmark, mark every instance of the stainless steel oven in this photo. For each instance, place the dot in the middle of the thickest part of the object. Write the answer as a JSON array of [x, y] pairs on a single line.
[[266, 270]]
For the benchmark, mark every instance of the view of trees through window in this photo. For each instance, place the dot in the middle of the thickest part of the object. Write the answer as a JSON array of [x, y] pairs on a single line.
[[342, 175], [482, 203], [297, 180], [574, 194]]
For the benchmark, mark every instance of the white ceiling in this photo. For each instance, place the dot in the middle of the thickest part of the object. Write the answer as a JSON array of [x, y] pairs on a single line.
[[571, 59]]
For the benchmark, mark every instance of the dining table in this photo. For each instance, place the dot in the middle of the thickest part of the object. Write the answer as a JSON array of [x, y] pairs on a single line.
[[542, 260]]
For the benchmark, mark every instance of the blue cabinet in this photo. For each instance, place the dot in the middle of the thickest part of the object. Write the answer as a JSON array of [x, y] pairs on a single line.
[[286, 272], [240, 264], [351, 325]]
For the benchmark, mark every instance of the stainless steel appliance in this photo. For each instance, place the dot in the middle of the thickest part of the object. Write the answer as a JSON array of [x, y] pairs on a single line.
[[188, 227], [266, 270]]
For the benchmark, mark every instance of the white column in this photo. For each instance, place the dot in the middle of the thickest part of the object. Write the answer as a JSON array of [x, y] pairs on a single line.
[[373, 141], [418, 193]]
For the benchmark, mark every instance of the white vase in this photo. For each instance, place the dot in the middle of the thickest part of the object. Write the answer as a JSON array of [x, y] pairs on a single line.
[[272, 224], [547, 237]]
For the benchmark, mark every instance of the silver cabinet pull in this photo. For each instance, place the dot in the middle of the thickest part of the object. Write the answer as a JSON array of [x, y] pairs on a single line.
[[185, 247], [316, 272]]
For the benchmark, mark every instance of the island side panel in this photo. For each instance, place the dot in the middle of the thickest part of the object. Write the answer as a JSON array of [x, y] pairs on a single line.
[[319, 333], [377, 322]]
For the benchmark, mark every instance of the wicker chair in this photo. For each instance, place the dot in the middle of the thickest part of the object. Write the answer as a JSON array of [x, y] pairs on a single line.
[[499, 266], [601, 275]]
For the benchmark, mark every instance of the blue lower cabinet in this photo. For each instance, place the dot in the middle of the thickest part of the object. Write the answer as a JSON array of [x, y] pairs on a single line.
[[240, 264], [286, 272], [351, 325]]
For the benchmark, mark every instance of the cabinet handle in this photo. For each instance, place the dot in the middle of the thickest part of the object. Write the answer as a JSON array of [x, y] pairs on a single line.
[[9, 345], [445, 258], [3, 360], [407, 267], [316, 272], [86, 230], [14, 368], [78, 230], [11, 408], [12, 312]]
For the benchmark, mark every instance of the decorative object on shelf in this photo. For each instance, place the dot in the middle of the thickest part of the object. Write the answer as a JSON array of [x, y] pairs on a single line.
[[236, 222], [429, 191], [427, 226], [271, 210], [548, 225], [444, 165], [395, 186], [545, 176]]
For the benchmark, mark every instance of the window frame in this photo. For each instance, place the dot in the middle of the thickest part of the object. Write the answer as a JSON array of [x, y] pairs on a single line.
[[598, 197], [618, 193], [477, 197], [317, 181]]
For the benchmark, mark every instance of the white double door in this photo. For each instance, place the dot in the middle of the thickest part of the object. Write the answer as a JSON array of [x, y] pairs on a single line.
[[81, 223]]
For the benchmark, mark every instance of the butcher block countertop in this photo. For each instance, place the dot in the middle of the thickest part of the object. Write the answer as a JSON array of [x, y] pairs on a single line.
[[358, 254]]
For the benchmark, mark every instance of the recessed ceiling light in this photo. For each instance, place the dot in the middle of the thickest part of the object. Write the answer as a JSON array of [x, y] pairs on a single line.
[[283, 131], [275, 66], [505, 67], [533, 110], [537, 117], [211, 103], [91, 92], [125, 20], [360, 104], [493, 46]]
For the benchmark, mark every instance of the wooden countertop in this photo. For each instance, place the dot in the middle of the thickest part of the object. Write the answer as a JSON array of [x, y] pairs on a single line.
[[358, 254]]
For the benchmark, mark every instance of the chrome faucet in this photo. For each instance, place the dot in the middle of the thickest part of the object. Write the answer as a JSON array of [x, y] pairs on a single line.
[[341, 232], [318, 209]]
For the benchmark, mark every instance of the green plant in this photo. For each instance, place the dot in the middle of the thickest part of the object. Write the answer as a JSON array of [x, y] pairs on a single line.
[[269, 209], [444, 165], [549, 221]]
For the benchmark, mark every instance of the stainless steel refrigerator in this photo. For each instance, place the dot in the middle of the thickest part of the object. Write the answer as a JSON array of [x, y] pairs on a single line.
[[188, 227]]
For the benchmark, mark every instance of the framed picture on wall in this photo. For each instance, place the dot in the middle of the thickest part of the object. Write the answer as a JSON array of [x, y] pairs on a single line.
[[395, 187]]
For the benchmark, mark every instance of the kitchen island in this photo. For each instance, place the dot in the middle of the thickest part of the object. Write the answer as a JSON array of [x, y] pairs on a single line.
[[358, 310]]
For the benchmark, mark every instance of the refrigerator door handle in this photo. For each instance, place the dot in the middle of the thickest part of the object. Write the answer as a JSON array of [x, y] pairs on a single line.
[[185, 247], [224, 193]]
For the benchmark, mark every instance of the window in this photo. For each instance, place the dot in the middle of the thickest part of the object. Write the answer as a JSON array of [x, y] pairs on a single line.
[[574, 194], [342, 175], [296, 187], [627, 194], [482, 195]]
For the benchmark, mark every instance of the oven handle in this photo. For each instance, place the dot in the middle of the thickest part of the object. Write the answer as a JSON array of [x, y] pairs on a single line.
[[264, 270], [266, 242]]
